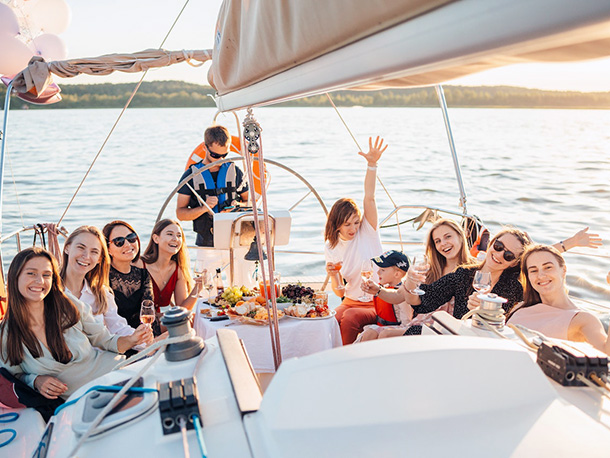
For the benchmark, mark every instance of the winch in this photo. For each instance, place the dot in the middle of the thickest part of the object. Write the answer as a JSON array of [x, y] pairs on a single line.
[[490, 312]]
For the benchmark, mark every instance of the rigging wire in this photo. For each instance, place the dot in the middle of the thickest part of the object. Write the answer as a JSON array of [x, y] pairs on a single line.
[[119, 118], [10, 166], [378, 179]]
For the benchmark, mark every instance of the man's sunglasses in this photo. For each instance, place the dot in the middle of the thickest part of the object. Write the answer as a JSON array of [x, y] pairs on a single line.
[[120, 241], [508, 255], [216, 155]]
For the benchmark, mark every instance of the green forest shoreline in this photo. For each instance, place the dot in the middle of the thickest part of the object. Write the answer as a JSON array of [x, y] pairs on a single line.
[[178, 94]]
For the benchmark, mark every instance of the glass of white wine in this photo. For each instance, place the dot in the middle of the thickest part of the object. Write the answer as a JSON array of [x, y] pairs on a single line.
[[200, 270], [482, 282], [421, 265]]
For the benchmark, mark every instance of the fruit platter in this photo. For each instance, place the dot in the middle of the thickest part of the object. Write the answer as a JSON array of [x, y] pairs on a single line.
[[252, 311], [298, 294], [230, 296], [309, 312]]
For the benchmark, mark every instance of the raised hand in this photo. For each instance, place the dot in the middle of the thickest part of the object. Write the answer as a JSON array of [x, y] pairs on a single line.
[[375, 151], [585, 239]]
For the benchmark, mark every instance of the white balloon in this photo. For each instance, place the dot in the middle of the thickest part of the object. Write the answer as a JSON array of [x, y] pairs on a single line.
[[14, 55], [8, 21], [50, 46], [52, 16]]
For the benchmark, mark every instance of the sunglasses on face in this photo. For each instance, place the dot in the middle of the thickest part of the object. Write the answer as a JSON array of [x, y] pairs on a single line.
[[508, 255], [120, 241], [216, 155]]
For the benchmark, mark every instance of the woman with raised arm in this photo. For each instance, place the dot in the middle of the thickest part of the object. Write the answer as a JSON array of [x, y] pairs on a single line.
[[47, 339], [128, 278], [167, 260], [352, 238], [546, 306], [84, 271]]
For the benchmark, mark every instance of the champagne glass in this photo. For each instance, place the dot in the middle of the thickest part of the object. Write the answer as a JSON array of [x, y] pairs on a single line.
[[147, 312], [482, 282], [366, 273], [420, 266]]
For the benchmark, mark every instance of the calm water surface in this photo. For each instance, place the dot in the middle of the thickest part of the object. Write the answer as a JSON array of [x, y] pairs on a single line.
[[545, 171]]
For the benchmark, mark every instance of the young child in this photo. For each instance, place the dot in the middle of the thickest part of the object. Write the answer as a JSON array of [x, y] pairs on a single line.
[[393, 266]]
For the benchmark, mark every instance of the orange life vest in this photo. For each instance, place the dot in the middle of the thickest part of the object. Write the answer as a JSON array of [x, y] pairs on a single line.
[[199, 153], [386, 316], [481, 244]]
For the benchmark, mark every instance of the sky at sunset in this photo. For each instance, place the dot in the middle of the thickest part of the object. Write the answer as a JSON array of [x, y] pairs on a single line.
[[103, 27]]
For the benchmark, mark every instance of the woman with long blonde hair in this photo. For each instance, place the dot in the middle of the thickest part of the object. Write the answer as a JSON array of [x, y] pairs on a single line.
[[167, 260], [84, 271]]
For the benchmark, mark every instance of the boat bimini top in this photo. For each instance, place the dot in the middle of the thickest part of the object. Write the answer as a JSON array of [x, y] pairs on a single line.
[[270, 51]]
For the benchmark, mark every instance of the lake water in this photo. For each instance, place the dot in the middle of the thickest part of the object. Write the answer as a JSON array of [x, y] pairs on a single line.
[[545, 171]]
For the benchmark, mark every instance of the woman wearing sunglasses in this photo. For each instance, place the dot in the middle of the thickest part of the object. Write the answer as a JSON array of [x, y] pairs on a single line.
[[167, 260], [84, 271], [547, 308], [129, 281]]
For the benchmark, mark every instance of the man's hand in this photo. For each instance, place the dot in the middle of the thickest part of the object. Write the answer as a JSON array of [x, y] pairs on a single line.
[[212, 201]]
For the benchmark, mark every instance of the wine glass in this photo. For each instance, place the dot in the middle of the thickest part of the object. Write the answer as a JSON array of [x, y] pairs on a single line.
[[147, 312], [420, 266], [199, 270], [366, 272], [482, 282], [207, 283]]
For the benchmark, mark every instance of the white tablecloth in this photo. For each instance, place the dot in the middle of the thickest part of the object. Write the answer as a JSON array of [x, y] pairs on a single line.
[[297, 338]]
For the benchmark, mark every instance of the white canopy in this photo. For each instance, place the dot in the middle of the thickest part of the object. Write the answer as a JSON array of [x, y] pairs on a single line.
[[272, 50]]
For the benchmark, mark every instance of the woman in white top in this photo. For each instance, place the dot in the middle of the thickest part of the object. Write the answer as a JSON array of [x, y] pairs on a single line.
[[352, 238], [547, 308], [84, 271], [48, 340]]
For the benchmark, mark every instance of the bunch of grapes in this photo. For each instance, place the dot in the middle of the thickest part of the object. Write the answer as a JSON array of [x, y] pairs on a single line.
[[232, 294], [296, 292], [247, 292]]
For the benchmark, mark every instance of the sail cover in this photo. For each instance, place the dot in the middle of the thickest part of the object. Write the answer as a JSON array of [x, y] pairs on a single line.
[[267, 51]]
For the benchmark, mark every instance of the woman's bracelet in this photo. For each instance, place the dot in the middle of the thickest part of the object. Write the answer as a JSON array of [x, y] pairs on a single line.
[[371, 167], [378, 291], [563, 247]]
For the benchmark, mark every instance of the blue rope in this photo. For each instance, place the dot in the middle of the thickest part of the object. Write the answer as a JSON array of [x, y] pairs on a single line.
[[199, 432], [106, 389], [8, 418]]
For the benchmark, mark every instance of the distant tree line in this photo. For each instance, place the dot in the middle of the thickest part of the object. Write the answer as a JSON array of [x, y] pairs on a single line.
[[165, 94]]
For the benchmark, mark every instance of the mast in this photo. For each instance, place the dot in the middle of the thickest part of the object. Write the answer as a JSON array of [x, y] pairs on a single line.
[[456, 164]]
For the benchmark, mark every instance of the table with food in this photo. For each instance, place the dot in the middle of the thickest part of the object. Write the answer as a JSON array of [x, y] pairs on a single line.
[[306, 324]]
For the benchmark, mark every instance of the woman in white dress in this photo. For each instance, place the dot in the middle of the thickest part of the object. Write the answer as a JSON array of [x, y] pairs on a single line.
[[84, 271], [48, 340]]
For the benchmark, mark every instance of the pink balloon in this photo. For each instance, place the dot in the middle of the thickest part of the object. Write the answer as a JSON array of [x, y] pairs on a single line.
[[52, 16], [14, 55], [50, 46], [8, 21]]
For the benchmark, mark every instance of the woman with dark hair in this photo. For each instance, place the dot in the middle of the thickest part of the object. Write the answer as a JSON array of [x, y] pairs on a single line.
[[129, 281], [47, 339], [167, 260], [351, 239], [547, 308], [84, 271]]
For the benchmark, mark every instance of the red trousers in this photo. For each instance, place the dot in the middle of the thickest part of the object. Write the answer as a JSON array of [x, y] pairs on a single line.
[[353, 316]]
